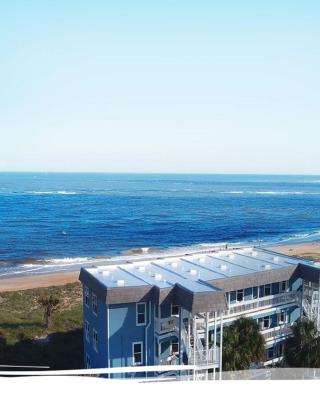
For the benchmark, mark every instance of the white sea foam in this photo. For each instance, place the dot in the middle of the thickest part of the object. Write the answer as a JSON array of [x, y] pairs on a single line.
[[68, 260], [63, 192]]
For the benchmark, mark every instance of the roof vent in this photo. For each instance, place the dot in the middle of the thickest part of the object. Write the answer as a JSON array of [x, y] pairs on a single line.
[[223, 267], [254, 253], [158, 277], [231, 256], [276, 259], [202, 259], [174, 264], [142, 268], [193, 272], [120, 282], [106, 273], [266, 266]]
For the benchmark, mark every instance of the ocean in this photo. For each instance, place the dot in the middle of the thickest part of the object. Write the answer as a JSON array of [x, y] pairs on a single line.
[[55, 221]]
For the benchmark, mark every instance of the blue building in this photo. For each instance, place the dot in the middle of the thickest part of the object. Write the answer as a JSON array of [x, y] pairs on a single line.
[[172, 309]]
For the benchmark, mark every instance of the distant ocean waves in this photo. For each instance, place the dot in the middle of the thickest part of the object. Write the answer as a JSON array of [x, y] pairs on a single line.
[[41, 266], [51, 222]]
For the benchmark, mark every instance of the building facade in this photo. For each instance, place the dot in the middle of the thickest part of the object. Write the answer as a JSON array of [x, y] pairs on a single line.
[[172, 310]]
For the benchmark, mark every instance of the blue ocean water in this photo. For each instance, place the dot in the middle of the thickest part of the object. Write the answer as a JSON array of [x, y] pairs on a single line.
[[45, 216]]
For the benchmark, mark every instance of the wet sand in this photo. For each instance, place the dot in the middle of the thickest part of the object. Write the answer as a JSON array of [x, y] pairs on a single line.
[[310, 250]]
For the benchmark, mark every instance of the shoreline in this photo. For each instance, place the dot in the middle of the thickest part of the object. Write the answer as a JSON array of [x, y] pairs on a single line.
[[309, 250]]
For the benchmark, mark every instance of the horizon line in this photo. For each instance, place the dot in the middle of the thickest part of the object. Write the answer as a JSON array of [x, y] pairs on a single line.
[[159, 173]]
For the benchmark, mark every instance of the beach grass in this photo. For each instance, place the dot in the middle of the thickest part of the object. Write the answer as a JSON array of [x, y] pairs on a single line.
[[25, 338]]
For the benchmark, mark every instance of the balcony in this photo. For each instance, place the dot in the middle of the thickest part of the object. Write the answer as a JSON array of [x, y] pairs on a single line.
[[278, 332], [166, 325], [264, 302], [199, 357]]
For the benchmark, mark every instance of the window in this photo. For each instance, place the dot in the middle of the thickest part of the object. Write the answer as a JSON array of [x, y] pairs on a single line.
[[240, 295], [267, 290], [137, 353], [266, 322], [174, 310], [95, 340], [175, 346], [283, 286], [87, 330], [232, 297], [94, 304], [86, 296], [88, 362], [255, 292], [280, 349], [270, 354], [141, 314], [282, 317]]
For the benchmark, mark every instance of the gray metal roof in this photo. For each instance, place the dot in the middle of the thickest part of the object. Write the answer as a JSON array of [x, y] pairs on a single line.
[[192, 271]]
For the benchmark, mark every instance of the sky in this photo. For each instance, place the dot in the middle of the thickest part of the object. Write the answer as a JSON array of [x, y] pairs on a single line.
[[160, 86]]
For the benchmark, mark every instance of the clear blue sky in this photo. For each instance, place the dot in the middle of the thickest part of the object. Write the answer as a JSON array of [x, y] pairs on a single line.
[[160, 86]]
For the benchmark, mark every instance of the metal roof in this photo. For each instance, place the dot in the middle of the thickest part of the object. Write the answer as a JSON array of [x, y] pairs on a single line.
[[192, 271]]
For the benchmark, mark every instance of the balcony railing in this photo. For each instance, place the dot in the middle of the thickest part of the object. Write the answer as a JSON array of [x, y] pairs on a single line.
[[198, 357], [166, 325], [264, 302], [277, 332]]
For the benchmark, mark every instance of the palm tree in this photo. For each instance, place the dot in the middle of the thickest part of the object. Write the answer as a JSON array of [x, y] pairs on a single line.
[[243, 345], [49, 305], [302, 350]]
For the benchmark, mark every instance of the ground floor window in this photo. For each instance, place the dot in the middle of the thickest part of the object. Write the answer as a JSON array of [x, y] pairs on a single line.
[[137, 353]]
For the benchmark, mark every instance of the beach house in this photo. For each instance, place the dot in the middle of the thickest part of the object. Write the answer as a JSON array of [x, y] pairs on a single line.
[[173, 309]]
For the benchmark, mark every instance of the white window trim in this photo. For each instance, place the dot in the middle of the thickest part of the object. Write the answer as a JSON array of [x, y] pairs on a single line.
[[141, 362], [145, 315], [239, 301], [87, 332], [175, 315], [94, 303], [264, 290], [285, 318], [85, 297], [171, 351], [95, 343], [269, 318]]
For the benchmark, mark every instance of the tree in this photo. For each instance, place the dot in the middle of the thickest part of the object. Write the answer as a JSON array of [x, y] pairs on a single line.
[[302, 350], [243, 345], [50, 305]]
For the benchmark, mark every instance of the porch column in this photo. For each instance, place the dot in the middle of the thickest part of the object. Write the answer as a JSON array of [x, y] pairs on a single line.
[[221, 345]]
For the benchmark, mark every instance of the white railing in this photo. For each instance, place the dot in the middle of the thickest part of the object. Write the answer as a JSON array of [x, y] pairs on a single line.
[[265, 302], [198, 357], [276, 332], [204, 357], [164, 325]]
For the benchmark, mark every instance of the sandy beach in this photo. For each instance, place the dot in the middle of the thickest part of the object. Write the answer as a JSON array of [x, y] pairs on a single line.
[[310, 250], [36, 281]]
